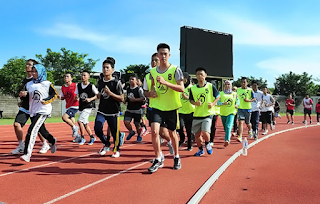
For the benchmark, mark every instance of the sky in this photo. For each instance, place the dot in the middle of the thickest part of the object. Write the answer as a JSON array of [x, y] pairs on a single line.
[[270, 38]]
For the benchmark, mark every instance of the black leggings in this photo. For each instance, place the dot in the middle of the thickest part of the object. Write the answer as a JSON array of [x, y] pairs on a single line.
[[318, 117], [213, 127], [186, 121], [37, 125]]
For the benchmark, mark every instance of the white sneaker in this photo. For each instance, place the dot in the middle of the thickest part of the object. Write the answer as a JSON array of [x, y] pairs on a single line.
[[265, 132], [103, 150], [171, 150], [19, 149], [75, 131], [25, 158], [272, 126], [318, 123], [45, 147], [115, 155]]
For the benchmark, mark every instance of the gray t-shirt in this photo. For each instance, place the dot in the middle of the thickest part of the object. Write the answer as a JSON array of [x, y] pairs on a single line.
[[178, 75]]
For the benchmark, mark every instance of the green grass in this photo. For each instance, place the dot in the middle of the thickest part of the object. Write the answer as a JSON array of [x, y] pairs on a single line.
[[10, 121]]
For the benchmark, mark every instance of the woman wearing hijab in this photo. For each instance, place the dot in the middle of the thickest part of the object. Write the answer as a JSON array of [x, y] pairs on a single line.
[[228, 103], [41, 94]]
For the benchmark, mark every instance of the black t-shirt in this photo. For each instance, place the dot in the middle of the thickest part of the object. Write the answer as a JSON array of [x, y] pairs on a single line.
[[83, 95], [137, 92], [108, 105], [25, 100]]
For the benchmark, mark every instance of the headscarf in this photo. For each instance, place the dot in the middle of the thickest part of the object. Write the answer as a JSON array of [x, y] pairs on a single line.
[[228, 91], [42, 73]]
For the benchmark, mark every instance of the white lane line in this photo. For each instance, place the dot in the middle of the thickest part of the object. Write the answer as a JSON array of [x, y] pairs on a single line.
[[60, 161], [196, 198], [97, 182]]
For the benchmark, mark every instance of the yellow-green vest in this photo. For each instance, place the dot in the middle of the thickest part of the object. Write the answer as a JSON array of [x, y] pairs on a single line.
[[186, 107], [149, 83], [228, 109], [167, 99], [205, 95], [242, 94]]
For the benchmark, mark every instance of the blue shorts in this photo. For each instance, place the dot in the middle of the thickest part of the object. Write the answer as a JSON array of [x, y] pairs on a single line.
[[71, 112]]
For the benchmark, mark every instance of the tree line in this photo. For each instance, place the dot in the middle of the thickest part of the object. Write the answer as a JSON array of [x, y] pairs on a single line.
[[59, 63]]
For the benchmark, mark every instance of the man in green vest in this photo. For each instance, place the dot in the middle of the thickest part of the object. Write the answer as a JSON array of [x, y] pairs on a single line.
[[167, 82], [246, 96], [204, 96], [164, 134]]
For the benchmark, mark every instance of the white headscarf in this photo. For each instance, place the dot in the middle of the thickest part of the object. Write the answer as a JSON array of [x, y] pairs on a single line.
[[228, 91]]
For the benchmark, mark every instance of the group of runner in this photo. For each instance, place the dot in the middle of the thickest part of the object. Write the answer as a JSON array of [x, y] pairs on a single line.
[[173, 102]]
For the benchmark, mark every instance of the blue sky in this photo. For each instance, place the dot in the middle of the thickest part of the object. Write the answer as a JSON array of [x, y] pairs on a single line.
[[270, 37]]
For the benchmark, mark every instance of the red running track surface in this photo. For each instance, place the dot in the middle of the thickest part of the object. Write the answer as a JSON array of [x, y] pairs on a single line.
[[77, 174]]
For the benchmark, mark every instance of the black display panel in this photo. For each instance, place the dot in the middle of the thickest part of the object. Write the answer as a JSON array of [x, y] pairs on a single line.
[[205, 48]]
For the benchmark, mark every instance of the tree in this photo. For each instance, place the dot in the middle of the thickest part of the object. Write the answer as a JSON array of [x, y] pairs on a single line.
[[296, 84], [261, 81], [140, 70], [12, 74], [58, 63]]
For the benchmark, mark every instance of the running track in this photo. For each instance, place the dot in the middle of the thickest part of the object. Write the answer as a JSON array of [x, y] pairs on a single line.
[[281, 169]]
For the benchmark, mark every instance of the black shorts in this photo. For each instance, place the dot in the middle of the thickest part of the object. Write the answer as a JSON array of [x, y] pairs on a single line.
[[307, 111], [290, 112], [168, 119], [129, 116], [22, 118], [266, 117]]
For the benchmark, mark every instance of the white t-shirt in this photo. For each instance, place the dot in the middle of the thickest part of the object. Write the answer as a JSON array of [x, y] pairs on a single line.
[[307, 103], [37, 92]]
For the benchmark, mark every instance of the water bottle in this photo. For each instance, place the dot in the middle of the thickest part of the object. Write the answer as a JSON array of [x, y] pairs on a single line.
[[245, 147]]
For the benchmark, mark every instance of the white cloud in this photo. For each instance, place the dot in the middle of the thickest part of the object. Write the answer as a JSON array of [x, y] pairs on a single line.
[[250, 32], [295, 64], [108, 42]]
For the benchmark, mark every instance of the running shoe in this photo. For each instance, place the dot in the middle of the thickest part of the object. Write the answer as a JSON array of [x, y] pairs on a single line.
[[104, 150], [121, 139], [19, 149], [199, 153], [189, 149], [53, 147], [25, 158], [288, 122], [155, 166], [139, 138], [272, 126], [115, 155], [77, 139], [82, 141], [310, 122], [45, 147], [226, 143], [250, 133], [92, 140], [265, 132], [171, 150], [211, 143], [143, 130], [162, 158], [130, 135], [75, 131], [209, 148], [177, 163], [180, 143], [318, 123], [292, 123], [145, 133], [239, 139]]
